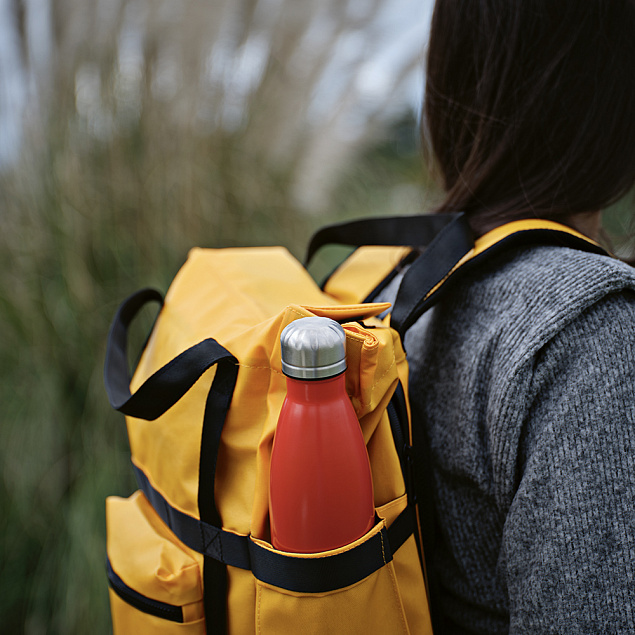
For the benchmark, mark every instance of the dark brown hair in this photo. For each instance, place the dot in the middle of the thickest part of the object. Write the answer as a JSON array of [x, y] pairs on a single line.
[[530, 106]]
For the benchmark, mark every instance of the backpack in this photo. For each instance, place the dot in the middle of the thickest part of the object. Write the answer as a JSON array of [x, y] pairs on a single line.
[[190, 551]]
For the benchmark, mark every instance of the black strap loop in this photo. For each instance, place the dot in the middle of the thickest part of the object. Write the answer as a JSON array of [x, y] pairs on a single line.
[[116, 372], [405, 231], [152, 399], [167, 385]]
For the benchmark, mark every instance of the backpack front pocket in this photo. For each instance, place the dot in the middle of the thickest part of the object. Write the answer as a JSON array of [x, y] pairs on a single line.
[[372, 605], [308, 593], [155, 580]]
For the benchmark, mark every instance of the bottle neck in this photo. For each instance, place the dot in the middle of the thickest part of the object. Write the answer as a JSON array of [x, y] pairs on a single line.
[[316, 390]]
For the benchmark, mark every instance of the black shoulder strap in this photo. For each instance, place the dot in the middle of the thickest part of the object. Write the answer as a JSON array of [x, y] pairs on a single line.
[[438, 269], [450, 248]]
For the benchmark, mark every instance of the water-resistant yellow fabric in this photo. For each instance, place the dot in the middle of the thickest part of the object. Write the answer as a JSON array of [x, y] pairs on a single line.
[[196, 307], [150, 560], [243, 298], [389, 600], [357, 276]]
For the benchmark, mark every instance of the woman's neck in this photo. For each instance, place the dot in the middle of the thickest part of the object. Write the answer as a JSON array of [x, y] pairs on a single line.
[[587, 223]]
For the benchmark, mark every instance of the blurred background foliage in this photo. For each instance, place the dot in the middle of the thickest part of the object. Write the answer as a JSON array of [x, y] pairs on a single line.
[[130, 131]]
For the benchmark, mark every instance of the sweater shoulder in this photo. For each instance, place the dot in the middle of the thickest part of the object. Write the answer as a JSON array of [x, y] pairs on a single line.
[[554, 274], [529, 296]]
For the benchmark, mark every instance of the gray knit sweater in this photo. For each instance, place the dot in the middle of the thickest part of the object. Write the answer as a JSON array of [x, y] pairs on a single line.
[[524, 378]]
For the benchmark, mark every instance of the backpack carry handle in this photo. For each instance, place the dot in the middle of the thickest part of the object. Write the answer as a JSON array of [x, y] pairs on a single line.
[[157, 395], [395, 231], [168, 384]]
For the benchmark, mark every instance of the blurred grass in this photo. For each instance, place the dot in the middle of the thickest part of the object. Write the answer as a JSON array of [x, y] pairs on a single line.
[[121, 174], [84, 222]]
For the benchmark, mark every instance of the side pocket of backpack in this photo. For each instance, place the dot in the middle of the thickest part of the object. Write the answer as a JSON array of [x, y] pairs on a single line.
[[155, 580], [390, 600]]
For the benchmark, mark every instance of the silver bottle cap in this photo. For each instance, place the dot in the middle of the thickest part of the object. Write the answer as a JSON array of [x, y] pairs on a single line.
[[313, 348]]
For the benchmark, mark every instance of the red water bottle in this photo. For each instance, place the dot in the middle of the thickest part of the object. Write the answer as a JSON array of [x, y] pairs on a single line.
[[320, 488]]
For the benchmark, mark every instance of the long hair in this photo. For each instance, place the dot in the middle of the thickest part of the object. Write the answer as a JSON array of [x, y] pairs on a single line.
[[530, 106]]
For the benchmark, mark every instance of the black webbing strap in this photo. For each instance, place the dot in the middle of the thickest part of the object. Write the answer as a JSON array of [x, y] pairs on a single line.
[[168, 384], [224, 546], [404, 231], [320, 575], [163, 610], [157, 395], [303, 575], [214, 570], [449, 246], [420, 288]]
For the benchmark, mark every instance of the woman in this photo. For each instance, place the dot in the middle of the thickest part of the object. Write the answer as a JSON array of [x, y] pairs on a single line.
[[524, 377]]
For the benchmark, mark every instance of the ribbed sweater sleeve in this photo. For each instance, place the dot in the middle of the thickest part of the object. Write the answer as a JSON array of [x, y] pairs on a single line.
[[568, 543]]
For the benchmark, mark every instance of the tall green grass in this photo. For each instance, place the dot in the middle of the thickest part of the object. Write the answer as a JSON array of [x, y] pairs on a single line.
[[121, 175], [83, 223]]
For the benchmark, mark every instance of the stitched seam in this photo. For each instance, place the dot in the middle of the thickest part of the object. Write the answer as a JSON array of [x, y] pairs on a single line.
[[203, 544], [395, 588], [273, 370], [344, 550], [206, 544], [297, 312], [393, 363], [383, 552]]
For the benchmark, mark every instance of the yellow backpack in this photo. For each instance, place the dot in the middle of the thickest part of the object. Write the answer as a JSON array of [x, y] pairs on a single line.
[[190, 551]]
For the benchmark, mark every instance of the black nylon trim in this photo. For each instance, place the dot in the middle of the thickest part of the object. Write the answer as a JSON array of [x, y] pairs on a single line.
[[450, 245], [141, 602], [116, 372], [406, 231], [214, 571], [215, 596], [204, 538], [303, 575], [320, 575]]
